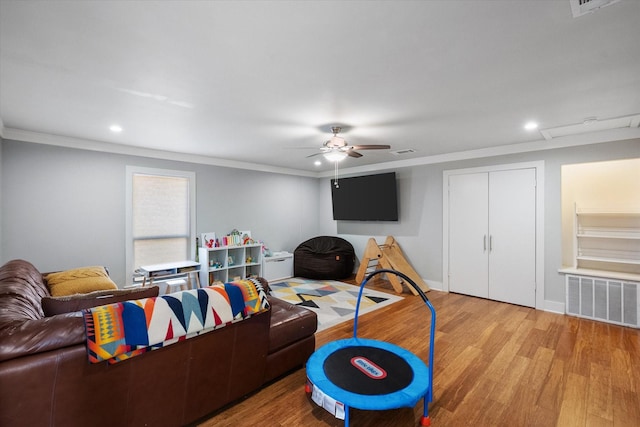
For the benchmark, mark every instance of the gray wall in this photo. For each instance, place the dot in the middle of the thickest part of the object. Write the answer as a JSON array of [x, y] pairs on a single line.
[[64, 208], [419, 231]]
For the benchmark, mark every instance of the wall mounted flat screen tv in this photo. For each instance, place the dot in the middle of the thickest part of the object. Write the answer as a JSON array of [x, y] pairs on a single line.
[[365, 198]]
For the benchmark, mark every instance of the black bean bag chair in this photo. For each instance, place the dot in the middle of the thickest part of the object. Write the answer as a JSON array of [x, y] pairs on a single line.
[[324, 257]]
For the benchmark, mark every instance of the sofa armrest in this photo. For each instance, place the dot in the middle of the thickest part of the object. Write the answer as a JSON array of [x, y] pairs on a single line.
[[289, 323], [23, 337]]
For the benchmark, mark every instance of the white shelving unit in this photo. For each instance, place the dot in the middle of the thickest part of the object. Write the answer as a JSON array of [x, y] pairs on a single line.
[[604, 282], [607, 240], [226, 263]]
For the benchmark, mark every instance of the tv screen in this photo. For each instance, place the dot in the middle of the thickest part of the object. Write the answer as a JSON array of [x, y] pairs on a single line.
[[365, 198]]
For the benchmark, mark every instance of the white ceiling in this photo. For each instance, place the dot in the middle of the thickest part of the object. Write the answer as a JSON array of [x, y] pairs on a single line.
[[254, 81]]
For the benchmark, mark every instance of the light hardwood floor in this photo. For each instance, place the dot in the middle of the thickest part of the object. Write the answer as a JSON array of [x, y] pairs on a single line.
[[495, 364]]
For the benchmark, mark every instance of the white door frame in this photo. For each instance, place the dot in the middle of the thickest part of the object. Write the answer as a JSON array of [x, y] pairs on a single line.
[[539, 167]]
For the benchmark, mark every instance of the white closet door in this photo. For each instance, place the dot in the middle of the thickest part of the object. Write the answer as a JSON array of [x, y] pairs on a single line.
[[512, 231], [468, 240]]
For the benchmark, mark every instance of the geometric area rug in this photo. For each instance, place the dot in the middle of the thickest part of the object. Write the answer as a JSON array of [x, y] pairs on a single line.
[[333, 301]]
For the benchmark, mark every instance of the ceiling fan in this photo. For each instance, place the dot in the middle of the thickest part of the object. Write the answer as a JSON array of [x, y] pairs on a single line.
[[336, 148]]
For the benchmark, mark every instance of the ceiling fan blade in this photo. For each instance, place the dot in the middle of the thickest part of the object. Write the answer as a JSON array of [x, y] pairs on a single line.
[[352, 153], [314, 154], [371, 147]]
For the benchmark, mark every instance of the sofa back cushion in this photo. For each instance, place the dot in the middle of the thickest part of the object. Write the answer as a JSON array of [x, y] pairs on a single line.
[[21, 291], [79, 302], [23, 328]]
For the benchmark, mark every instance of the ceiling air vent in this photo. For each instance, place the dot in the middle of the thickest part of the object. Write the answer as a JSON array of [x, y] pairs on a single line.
[[592, 124], [403, 151], [582, 7]]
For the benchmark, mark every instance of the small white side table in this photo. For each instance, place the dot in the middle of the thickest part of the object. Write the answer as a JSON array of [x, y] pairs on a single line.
[[169, 270]]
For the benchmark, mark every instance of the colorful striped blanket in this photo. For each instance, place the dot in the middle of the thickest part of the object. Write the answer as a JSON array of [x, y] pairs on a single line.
[[119, 331]]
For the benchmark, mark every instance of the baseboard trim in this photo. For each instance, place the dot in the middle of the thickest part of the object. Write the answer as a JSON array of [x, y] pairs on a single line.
[[553, 306], [435, 285]]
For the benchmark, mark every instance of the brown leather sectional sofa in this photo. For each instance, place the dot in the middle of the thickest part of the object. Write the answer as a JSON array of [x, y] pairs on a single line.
[[46, 380]]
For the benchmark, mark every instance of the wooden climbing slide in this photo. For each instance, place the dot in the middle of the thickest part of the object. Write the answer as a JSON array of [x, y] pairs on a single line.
[[389, 255]]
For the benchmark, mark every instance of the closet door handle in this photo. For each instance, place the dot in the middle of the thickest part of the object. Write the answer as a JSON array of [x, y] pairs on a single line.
[[484, 243], [490, 243]]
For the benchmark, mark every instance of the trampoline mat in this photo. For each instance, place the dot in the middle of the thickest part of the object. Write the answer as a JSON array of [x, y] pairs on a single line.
[[367, 370]]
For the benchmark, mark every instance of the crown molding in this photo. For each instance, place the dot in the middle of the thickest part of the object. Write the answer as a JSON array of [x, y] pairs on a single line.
[[501, 150], [108, 147], [525, 147]]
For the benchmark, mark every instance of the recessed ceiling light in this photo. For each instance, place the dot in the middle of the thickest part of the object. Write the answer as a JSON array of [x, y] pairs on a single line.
[[115, 128], [531, 126], [317, 163]]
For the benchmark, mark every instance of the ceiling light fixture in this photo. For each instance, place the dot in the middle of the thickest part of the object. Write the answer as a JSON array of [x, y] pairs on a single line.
[[115, 128], [531, 126], [335, 155]]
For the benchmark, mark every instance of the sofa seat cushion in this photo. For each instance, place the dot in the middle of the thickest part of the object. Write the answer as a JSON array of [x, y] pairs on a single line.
[[79, 281], [79, 302], [20, 338], [289, 324]]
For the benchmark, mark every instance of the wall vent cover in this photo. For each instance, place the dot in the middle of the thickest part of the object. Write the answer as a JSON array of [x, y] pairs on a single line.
[[606, 300], [582, 7]]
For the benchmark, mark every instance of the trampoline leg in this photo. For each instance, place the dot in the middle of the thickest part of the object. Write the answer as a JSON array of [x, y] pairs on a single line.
[[346, 416], [425, 420]]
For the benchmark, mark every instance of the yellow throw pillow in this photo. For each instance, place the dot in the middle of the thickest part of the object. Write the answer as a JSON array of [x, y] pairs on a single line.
[[79, 281]]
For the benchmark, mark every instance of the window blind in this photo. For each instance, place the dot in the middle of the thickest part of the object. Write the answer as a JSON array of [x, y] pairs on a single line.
[[160, 217]]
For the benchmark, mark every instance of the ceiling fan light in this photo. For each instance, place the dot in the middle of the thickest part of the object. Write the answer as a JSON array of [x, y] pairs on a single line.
[[335, 156]]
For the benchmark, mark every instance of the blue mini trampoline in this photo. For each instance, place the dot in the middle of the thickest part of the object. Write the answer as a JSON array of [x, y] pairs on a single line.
[[369, 374]]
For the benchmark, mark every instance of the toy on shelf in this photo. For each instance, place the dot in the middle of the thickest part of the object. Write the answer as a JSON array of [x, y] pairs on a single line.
[[215, 264], [237, 238], [209, 240]]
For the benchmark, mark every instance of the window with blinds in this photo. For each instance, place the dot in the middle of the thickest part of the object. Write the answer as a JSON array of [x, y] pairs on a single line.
[[160, 217]]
